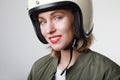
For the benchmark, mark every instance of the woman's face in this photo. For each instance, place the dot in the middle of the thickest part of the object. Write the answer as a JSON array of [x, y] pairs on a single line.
[[57, 28]]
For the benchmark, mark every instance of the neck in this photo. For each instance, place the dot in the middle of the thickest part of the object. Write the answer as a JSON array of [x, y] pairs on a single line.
[[65, 57]]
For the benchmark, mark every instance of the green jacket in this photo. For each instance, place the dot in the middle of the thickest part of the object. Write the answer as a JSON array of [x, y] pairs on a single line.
[[89, 66]]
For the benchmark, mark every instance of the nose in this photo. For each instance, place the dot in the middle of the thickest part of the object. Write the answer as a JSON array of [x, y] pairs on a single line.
[[50, 28]]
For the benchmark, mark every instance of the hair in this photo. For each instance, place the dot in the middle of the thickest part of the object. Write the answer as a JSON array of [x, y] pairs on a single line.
[[83, 45]]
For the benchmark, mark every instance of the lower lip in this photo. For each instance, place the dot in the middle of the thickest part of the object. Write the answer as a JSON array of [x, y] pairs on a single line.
[[54, 41]]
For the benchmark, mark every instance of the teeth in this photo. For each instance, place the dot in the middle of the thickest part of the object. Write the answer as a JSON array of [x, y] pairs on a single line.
[[54, 38]]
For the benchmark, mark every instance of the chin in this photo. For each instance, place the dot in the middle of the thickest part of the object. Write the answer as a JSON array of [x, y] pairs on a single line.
[[58, 48]]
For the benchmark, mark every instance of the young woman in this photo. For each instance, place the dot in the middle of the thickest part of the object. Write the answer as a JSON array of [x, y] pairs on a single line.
[[67, 26]]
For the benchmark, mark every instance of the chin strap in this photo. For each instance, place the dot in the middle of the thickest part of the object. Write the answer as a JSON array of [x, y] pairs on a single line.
[[71, 54], [71, 51]]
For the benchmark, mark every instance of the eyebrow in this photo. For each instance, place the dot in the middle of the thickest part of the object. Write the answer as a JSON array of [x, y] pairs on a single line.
[[54, 12], [57, 11]]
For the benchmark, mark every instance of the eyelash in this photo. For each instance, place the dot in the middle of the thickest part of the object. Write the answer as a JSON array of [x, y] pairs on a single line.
[[42, 22], [58, 17]]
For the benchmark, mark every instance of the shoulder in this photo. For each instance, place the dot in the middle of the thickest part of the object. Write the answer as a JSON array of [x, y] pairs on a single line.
[[41, 66], [100, 58], [105, 65], [43, 61]]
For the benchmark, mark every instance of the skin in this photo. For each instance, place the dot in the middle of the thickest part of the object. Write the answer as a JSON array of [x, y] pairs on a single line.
[[57, 28]]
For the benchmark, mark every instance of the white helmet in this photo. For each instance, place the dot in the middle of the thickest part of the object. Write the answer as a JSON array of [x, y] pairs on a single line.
[[83, 13]]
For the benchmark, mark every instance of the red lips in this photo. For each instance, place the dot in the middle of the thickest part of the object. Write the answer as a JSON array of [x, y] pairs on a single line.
[[55, 39]]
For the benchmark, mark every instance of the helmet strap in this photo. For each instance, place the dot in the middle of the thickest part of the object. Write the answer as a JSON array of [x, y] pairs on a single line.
[[71, 54]]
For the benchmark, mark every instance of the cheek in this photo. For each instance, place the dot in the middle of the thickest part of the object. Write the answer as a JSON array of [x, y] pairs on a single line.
[[67, 30], [68, 27]]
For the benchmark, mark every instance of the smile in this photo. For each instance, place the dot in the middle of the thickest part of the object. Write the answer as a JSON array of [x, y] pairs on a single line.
[[55, 39]]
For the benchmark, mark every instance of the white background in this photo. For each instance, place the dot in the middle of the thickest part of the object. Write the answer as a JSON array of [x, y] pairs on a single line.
[[19, 46]]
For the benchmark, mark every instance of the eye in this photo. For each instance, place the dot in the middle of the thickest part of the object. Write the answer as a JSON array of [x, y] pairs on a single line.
[[58, 18], [42, 22]]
